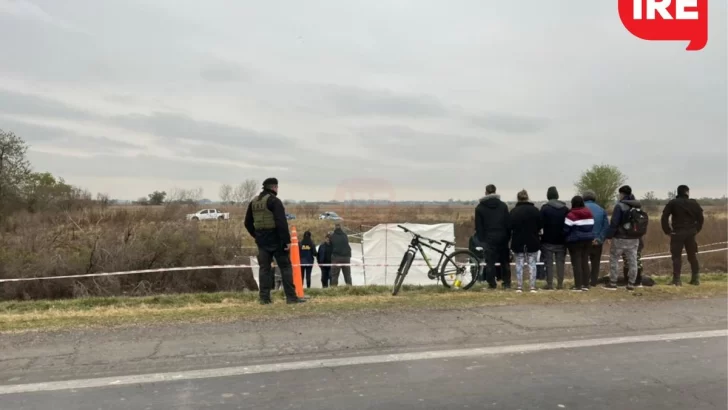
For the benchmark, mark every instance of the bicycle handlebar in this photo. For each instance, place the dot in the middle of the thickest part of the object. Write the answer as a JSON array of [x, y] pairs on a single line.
[[420, 236]]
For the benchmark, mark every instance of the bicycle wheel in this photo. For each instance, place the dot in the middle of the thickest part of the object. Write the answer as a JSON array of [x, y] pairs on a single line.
[[404, 267], [460, 270]]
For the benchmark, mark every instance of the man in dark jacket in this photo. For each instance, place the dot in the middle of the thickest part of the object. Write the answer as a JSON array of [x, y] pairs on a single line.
[[493, 231], [526, 226], [340, 254], [687, 222], [553, 240], [265, 220], [621, 242], [323, 257]]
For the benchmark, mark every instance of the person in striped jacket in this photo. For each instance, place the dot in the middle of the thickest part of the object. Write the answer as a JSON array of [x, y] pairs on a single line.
[[579, 231]]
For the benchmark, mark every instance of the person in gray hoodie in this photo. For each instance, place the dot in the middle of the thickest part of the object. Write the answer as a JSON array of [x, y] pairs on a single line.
[[340, 254], [553, 239]]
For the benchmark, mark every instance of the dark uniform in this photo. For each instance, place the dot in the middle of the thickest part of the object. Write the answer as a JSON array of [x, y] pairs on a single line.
[[266, 221], [687, 221]]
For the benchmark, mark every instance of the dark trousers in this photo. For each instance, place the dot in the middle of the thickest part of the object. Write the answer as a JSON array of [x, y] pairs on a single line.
[[266, 274], [306, 274], [579, 252], [678, 241], [344, 260], [325, 275], [595, 256], [497, 254]]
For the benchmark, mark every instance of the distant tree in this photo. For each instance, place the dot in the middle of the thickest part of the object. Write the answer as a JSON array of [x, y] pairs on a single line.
[[671, 195], [226, 193], [14, 170], [604, 180], [245, 192], [309, 210], [157, 197]]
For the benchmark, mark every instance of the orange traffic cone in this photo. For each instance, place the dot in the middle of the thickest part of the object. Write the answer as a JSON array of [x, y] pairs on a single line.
[[296, 262]]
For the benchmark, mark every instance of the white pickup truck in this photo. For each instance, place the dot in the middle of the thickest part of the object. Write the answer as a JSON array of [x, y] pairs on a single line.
[[207, 214]]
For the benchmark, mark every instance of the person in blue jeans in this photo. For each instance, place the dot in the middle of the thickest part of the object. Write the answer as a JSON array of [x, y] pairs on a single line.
[[601, 224], [308, 254]]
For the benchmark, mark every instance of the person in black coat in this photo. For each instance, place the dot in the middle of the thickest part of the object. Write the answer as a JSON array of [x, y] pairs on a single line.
[[687, 220], [553, 239], [526, 226], [323, 257], [493, 231]]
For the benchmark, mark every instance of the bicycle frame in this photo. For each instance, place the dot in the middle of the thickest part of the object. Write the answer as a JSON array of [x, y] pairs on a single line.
[[417, 245]]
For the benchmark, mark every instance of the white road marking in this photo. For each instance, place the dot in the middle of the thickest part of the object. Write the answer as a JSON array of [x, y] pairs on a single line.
[[348, 361]]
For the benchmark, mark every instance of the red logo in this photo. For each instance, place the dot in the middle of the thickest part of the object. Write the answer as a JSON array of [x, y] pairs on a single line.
[[667, 20]]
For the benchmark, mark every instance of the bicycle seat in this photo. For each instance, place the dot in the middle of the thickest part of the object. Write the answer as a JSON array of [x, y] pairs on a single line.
[[448, 242]]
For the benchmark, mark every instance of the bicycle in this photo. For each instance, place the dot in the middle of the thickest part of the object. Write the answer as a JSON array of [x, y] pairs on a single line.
[[456, 273]]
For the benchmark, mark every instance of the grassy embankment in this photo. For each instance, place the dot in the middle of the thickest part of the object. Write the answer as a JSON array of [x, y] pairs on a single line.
[[229, 306]]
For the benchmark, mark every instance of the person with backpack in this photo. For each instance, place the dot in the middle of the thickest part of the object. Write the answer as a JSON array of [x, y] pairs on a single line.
[[525, 227], [687, 222], [628, 225]]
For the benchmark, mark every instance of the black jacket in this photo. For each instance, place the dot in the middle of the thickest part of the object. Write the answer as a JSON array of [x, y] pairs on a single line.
[[340, 244], [687, 216], [271, 239], [492, 221], [526, 225], [553, 216], [619, 217], [323, 254]]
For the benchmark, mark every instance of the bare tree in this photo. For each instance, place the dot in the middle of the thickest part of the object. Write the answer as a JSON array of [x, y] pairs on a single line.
[[226, 193], [245, 192], [185, 196]]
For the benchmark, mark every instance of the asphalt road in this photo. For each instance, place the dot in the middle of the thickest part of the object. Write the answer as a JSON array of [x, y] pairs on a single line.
[[630, 355], [680, 374]]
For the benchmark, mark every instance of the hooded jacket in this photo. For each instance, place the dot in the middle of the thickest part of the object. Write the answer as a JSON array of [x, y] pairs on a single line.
[[525, 225], [619, 217], [340, 244], [492, 221], [579, 225], [553, 215], [308, 249], [687, 216], [601, 220], [270, 239]]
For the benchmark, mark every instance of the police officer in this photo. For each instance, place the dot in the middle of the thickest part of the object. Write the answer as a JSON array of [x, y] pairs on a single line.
[[265, 220]]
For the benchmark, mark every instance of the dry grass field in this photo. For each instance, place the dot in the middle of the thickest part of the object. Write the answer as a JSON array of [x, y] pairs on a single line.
[[121, 238]]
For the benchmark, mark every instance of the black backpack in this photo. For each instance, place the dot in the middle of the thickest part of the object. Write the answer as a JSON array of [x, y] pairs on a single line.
[[635, 222]]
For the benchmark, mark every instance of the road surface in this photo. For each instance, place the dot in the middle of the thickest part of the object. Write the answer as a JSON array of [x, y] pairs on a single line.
[[629, 356]]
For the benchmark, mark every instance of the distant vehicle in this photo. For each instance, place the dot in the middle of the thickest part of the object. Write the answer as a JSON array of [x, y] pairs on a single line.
[[208, 214], [290, 216], [331, 215]]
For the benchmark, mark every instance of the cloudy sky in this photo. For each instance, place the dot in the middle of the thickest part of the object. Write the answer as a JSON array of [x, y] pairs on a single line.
[[405, 99]]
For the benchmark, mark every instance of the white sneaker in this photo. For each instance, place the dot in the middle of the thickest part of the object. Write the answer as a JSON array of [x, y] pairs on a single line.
[[519, 290], [533, 290]]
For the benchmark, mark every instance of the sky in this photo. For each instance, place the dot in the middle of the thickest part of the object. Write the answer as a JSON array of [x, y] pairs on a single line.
[[400, 99]]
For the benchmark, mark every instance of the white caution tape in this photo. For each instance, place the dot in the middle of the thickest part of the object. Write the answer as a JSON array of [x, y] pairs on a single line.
[[210, 267]]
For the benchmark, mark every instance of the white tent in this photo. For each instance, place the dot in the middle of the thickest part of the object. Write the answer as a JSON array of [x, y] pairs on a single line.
[[385, 244], [376, 260]]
